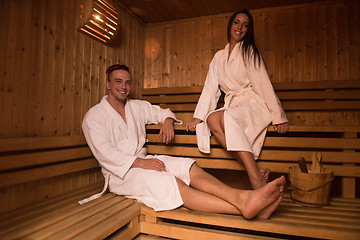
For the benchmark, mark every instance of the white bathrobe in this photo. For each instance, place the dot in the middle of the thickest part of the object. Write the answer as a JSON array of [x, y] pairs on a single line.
[[116, 145], [250, 102]]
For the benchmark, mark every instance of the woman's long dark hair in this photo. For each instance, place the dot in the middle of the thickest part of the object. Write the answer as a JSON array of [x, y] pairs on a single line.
[[248, 46]]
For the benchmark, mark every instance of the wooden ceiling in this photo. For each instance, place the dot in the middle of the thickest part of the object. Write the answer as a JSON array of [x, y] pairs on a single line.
[[150, 11]]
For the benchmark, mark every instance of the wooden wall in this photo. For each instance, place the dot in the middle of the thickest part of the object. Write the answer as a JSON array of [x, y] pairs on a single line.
[[50, 75], [308, 42]]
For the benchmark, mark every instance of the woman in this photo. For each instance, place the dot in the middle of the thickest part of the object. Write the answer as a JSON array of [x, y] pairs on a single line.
[[250, 101]]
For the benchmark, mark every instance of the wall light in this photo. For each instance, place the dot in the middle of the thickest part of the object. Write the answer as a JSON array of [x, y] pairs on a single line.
[[98, 19]]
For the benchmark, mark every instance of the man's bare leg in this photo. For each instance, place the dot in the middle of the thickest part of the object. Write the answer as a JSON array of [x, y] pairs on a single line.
[[201, 201], [216, 124], [262, 202]]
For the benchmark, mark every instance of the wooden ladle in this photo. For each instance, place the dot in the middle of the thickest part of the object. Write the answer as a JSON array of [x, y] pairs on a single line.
[[316, 159]]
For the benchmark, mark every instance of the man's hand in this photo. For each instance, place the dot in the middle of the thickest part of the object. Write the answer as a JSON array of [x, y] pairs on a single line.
[[149, 163], [167, 130]]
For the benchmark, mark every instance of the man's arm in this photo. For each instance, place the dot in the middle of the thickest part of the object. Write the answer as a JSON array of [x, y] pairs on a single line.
[[167, 130], [149, 163]]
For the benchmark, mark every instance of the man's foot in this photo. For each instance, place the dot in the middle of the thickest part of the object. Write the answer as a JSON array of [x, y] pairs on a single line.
[[269, 210], [258, 200]]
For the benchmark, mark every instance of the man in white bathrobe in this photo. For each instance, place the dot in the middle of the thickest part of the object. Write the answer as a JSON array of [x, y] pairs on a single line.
[[115, 131]]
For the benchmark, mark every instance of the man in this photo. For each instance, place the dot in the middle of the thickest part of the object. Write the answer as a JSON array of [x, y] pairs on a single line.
[[115, 131]]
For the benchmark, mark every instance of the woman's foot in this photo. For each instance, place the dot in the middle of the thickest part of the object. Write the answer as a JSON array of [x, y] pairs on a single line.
[[265, 173]]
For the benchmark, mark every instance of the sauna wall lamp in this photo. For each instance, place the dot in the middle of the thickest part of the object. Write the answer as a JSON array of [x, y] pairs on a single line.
[[98, 19]]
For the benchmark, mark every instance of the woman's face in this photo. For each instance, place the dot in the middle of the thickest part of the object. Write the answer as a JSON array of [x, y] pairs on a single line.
[[239, 27]]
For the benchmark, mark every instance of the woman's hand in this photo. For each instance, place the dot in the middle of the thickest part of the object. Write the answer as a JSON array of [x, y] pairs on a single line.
[[282, 127], [149, 163], [167, 130], [191, 126]]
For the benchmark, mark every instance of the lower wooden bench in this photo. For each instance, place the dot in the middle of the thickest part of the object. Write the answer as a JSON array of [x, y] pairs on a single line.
[[339, 220], [115, 217]]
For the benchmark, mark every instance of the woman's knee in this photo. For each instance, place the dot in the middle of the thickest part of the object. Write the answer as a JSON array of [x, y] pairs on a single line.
[[215, 121]]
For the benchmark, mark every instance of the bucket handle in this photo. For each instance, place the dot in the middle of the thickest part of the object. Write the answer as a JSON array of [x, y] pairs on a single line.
[[312, 189]]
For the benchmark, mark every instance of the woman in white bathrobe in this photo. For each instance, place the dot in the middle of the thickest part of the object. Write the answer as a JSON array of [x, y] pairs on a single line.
[[115, 132], [250, 101]]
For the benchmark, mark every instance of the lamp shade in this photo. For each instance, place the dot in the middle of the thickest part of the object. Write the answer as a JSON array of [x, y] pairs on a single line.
[[98, 19]]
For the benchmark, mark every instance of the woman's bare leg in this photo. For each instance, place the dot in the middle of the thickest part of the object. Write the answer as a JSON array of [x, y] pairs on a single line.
[[216, 124], [209, 194]]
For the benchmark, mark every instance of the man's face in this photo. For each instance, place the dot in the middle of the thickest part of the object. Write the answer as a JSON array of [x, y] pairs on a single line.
[[120, 85]]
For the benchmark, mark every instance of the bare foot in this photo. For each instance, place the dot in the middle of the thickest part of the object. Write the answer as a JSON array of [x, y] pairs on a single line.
[[268, 211], [257, 200], [265, 172]]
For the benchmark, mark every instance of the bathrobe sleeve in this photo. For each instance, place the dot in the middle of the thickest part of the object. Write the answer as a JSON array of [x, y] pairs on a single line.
[[210, 94], [99, 135], [261, 85]]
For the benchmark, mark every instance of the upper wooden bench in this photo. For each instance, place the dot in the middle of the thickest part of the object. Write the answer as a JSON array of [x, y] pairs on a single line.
[[339, 145], [294, 96]]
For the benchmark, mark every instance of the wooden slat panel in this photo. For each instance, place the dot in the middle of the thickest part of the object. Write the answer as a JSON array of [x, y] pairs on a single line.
[[335, 129], [284, 142], [287, 105]]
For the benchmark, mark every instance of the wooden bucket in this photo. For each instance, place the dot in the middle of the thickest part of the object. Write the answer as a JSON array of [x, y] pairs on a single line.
[[311, 189]]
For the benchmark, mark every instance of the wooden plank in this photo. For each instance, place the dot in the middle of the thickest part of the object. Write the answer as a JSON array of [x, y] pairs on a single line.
[[78, 223], [51, 215], [177, 231], [29, 175], [171, 90], [183, 98], [31, 143], [129, 231], [47, 157], [110, 224]]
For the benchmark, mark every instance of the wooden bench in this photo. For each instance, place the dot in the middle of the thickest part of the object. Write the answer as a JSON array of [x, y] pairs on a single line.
[[61, 217], [116, 217], [339, 147]]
